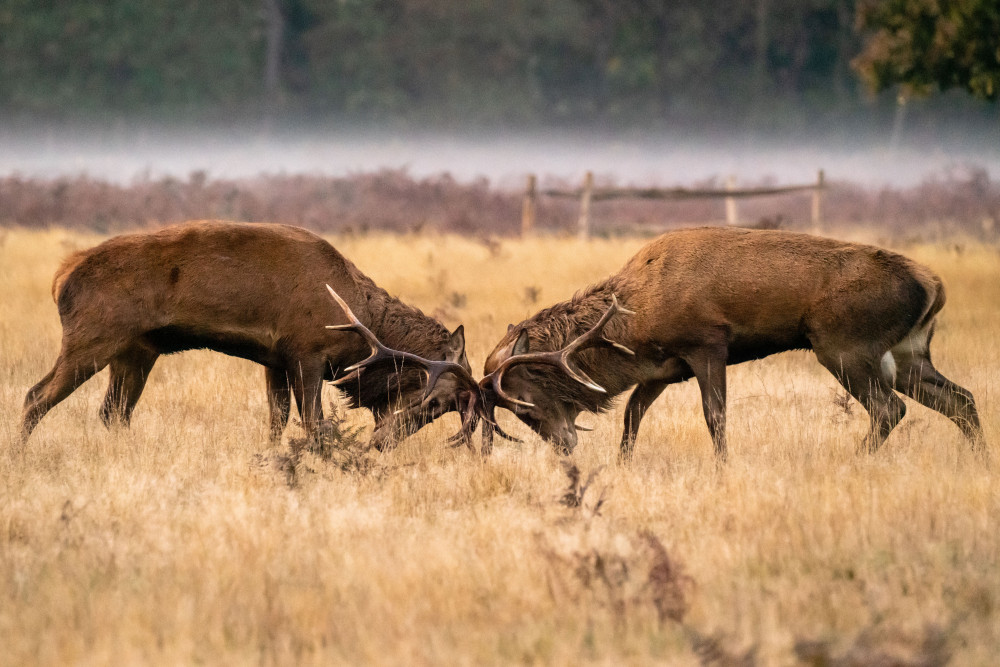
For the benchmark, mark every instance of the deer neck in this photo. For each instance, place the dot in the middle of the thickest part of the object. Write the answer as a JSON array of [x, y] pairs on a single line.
[[404, 327], [612, 369]]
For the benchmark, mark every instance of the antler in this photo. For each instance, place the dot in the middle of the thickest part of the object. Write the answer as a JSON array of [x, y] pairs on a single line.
[[480, 407], [594, 337], [433, 370]]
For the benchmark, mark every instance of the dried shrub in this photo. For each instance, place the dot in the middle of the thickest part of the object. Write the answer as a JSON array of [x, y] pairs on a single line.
[[591, 564], [844, 403], [711, 651], [622, 575], [879, 647], [961, 201], [575, 492], [336, 444], [387, 200]]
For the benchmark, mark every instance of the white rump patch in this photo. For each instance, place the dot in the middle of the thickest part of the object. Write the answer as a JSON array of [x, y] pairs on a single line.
[[889, 368]]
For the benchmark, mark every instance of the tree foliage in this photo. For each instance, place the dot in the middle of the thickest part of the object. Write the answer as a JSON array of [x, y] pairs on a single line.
[[127, 56], [928, 45], [479, 60]]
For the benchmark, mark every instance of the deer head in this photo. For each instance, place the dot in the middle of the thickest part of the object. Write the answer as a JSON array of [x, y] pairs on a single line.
[[448, 384], [517, 384]]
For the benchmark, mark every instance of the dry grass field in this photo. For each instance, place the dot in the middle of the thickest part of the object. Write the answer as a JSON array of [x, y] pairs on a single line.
[[183, 540]]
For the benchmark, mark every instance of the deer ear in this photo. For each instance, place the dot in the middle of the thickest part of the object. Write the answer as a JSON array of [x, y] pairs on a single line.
[[509, 327], [456, 343], [521, 346]]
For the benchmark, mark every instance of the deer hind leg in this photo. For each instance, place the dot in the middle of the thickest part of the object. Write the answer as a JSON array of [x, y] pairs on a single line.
[[917, 378], [709, 368], [863, 375], [74, 366], [129, 371], [279, 400]]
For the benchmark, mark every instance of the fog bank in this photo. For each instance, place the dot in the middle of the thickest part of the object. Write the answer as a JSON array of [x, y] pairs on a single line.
[[503, 158]]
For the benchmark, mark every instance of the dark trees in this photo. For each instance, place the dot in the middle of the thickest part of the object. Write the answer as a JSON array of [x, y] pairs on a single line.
[[931, 45]]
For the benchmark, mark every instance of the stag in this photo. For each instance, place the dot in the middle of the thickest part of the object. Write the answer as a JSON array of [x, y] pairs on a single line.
[[699, 300], [253, 291]]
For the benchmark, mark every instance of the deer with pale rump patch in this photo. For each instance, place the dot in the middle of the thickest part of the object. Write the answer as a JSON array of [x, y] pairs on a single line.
[[693, 302], [254, 291]]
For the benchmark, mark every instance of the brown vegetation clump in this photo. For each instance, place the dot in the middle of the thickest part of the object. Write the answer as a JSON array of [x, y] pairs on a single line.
[[963, 201], [881, 647]]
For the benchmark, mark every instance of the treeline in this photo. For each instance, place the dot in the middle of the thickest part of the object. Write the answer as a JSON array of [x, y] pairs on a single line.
[[965, 203], [520, 61]]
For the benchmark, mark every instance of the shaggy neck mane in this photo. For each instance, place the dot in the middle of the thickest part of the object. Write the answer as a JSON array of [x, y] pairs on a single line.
[[554, 327], [400, 327]]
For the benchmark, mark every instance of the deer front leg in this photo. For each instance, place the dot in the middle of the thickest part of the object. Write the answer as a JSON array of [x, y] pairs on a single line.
[[308, 388], [709, 368], [638, 403], [279, 400], [129, 371], [672, 370]]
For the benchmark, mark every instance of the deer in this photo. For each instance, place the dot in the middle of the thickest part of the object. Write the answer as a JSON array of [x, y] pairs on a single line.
[[255, 291], [692, 302]]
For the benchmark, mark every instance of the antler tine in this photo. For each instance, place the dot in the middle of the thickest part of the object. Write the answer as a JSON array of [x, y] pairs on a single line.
[[433, 370], [561, 358], [495, 381], [491, 427], [620, 308], [470, 421], [595, 335], [503, 434], [355, 325]]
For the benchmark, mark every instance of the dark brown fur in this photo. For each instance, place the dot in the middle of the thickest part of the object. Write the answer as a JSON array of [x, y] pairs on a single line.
[[706, 298], [254, 291]]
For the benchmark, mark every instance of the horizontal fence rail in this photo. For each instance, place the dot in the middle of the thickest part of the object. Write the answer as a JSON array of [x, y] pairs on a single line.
[[588, 193], [606, 194]]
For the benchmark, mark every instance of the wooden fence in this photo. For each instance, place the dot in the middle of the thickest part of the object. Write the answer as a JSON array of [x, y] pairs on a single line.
[[587, 194]]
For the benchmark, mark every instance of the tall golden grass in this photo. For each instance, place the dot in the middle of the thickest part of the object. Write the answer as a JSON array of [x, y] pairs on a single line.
[[179, 541]]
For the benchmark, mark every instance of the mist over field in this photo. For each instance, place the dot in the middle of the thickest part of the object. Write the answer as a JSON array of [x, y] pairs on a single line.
[[869, 156]]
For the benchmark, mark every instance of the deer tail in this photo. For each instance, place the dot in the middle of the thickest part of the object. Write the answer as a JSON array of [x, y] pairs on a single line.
[[65, 269]]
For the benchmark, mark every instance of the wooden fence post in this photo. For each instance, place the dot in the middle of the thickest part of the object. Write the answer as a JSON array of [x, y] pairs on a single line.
[[528, 208], [817, 218], [732, 217], [583, 224]]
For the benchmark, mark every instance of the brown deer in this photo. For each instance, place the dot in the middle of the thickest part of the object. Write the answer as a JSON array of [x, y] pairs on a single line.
[[702, 299], [254, 291]]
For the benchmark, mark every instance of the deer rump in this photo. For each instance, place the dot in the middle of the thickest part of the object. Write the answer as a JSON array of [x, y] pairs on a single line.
[[248, 290], [706, 298]]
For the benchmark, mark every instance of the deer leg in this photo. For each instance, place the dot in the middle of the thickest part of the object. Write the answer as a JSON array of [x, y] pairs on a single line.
[[709, 368], [73, 367], [279, 400], [128, 373], [308, 388], [638, 403], [861, 376], [917, 378]]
